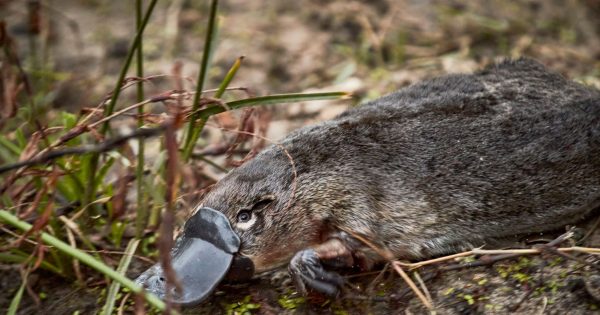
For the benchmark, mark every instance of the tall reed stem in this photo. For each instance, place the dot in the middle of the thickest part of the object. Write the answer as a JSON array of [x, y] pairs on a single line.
[[142, 212], [108, 110], [194, 126]]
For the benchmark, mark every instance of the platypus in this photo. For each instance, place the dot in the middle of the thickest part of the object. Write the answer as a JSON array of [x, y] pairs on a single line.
[[445, 165]]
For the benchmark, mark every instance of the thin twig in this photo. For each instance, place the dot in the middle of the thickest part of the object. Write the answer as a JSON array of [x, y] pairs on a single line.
[[412, 285], [193, 131], [569, 256], [544, 305], [422, 284], [121, 310], [501, 254], [105, 146], [590, 231], [511, 252], [435, 260], [388, 255], [75, 262], [483, 261], [141, 212]]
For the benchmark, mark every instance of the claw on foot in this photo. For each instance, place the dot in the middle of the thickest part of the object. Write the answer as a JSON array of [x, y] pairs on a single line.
[[308, 272]]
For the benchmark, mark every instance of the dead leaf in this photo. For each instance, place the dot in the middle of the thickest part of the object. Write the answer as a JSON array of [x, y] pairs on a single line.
[[9, 89], [119, 200], [32, 147]]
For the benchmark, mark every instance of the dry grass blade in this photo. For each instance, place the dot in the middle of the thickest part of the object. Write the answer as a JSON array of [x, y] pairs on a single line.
[[14, 304], [43, 219], [119, 199], [116, 286], [76, 266], [422, 285], [124, 300], [435, 260], [500, 254], [426, 302], [193, 131], [83, 257], [386, 254], [505, 253], [165, 243], [9, 89], [105, 146]]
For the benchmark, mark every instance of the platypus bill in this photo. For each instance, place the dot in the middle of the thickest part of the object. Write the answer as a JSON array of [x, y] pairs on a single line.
[[441, 166], [207, 232]]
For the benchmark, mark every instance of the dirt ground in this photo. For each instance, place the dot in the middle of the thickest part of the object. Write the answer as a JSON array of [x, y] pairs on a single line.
[[369, 48]]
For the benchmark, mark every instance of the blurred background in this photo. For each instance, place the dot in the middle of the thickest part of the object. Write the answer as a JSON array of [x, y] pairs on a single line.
[[366, 47], [73, 50]]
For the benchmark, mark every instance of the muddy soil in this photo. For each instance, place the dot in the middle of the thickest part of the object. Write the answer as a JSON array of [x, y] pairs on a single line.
[[369, 48]]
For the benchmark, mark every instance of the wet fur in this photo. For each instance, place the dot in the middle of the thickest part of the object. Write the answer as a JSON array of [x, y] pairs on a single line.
[[443, 165]]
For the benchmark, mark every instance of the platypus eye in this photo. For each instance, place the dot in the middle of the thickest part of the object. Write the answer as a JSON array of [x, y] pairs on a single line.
[[244, 216]]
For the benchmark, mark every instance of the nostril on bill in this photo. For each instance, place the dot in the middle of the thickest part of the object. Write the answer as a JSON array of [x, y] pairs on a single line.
[[158, 280], [154, 282]]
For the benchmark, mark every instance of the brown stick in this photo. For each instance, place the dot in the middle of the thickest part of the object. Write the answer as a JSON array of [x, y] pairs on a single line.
[[105, 146], [412, 285]]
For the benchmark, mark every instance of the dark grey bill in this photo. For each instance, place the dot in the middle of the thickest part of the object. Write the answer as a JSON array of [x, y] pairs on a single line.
[[201, 258]]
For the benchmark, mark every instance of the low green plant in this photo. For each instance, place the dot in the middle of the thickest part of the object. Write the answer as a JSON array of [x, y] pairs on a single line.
[[290, 302], [72, 200], [243, 307]]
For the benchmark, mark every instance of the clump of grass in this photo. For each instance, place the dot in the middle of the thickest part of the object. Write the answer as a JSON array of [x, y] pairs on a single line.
[[82, 257], [66, 179]]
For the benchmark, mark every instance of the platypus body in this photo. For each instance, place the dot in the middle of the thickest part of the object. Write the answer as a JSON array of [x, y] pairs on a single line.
[[441, 166]]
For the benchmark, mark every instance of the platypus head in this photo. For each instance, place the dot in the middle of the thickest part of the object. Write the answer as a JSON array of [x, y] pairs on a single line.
[[247, 223]]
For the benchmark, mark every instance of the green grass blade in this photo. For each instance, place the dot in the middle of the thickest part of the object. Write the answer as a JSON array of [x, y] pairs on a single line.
[[66, 186], [6, 156], [229, 76], [116, 286], [104, 170], [91, 179], [222, 87], [208, 44], [261, 100], [21, 139], [273, 99], [14, 304], [13, 148], [141, 211], [134, 46], [16, 258], [86, 259]]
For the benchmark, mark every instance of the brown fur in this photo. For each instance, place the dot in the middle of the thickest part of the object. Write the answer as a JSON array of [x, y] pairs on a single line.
[[441, 166]]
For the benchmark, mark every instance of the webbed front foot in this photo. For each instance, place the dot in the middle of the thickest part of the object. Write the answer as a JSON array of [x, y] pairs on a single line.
[[307, 271], [308, 266]]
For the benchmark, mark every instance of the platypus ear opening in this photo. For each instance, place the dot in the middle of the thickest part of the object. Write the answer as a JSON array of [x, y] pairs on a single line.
[[263, 202]]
